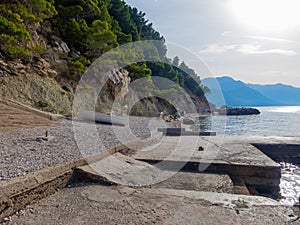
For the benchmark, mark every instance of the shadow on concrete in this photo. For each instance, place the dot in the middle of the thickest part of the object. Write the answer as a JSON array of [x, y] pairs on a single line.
[[289, 153]]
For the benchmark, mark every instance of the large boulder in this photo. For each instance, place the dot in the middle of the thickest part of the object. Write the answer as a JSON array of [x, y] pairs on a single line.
[[114, 88]]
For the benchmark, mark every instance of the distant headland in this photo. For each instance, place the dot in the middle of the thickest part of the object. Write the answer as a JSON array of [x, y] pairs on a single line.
[[234, 93]]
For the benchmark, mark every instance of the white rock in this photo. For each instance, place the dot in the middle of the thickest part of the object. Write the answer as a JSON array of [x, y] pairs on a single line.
[[188, 121]]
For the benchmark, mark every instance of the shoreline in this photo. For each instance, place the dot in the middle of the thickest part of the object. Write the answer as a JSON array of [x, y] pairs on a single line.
[[74, 190], [24, 155], [64, 147]]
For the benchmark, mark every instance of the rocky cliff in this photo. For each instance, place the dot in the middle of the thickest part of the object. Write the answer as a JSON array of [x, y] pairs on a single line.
[[38, 80], [41, 81]]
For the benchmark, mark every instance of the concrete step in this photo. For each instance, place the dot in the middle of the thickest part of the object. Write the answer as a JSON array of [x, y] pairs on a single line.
[[259, 173], [182, 132], [198, 182]]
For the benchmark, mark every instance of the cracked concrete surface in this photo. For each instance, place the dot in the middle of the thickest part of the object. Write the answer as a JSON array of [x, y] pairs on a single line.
[[95, 204]]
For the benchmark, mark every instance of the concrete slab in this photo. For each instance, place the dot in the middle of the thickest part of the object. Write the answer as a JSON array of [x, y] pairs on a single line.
[[289, 153], [183, 132], [96, 204], [227, 153], [118, 169], [240, 160], [198, 182]]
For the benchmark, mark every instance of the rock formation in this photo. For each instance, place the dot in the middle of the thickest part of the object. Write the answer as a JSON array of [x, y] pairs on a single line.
[[237, 111]]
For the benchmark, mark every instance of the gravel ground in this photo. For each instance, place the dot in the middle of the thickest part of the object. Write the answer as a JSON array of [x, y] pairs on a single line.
[[21, 153]]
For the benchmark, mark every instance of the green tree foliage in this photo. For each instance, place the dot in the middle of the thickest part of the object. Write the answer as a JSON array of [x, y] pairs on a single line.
[[77, 67], [139, 70], [15, 19], [147, 32], [86, 26], [180, 74], [120, 11], [94, 27]]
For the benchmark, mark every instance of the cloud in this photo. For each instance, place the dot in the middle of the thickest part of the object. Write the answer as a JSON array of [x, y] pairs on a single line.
[[251, 49], [248, 49], [273, 39], [259, 38], [217, 49], [273, 73], [226, 33]]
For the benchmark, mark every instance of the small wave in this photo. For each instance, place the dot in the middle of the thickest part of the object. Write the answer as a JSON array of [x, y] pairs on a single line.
[[290, 184]]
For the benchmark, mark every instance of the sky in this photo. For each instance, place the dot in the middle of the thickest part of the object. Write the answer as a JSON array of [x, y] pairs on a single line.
[[256, 41]]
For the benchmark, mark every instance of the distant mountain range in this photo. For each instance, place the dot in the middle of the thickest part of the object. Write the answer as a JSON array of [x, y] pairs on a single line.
[[234, 93]]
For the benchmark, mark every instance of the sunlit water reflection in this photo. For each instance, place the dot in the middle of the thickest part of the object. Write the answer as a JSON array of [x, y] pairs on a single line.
[[290, 184], [273, 121]]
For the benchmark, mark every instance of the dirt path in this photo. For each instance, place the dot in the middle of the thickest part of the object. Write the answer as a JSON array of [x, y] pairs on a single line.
[[12, 118]]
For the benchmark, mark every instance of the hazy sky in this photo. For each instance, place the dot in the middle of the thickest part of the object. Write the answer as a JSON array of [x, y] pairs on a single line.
[[251, 40]]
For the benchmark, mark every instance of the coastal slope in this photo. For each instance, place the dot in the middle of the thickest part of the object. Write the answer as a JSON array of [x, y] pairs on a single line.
[[46, 46]]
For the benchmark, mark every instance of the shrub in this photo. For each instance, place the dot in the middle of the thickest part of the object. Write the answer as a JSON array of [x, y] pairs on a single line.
[[42, 104], [78, 66], [66, 88], [17, 51], [39, 49]]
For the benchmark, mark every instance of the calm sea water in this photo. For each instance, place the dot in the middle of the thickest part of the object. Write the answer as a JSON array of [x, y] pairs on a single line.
[[273, 121]]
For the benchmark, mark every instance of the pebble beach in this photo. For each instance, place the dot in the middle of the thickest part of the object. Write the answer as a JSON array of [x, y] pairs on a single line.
[[22, 153]]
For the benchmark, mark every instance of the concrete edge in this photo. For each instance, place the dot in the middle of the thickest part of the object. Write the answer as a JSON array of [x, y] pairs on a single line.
[[19, 192], [224, 199], [18, 105]]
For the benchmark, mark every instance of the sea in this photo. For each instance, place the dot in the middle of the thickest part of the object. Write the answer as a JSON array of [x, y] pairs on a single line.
[[274, 122]]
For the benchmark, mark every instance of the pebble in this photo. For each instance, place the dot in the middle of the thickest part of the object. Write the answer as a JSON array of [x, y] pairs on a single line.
[[24, 154], [20, 213], [41, 139], [7, 219]]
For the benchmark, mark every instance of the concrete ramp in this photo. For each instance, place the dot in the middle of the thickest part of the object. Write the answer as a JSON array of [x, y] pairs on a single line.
[[117, 169], [120, 169]]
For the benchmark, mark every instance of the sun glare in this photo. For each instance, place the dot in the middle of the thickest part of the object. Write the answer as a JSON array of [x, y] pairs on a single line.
[[267, 15]]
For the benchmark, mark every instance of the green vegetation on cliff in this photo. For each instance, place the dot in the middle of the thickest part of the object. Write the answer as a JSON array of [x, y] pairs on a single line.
[[16, 18], [90, 28]]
